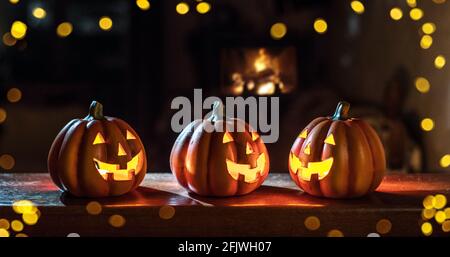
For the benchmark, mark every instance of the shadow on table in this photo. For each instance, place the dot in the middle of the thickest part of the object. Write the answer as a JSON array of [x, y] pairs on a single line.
[[142, 196]]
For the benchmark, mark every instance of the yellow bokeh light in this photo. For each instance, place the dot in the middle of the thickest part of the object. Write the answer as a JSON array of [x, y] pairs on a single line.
[[445, 161], [439, 1], [17, 225], [416, 14], [8, 39], [14, 1], [396, 13], [21, 235], [30, 218], [105, 23], [357, 7], [383, 226], [203, 7], [428, 28], [4, 232], [94, 208], [166, 212], [440, 201], [18, 29], [446, 226], [422, 85], [320, 26], [429, 202], [426, 41], [4, 223], [447, 213], [428, 213], [335, 233], [7, 162], [14, 95], [143, 4], [39, 13], [439, 62], [440, 217], [312, 223], [278, 30], [427, 124], [411, 3], [427, 228], [182, 8], [3, 115], [64, 29], [117, 221]]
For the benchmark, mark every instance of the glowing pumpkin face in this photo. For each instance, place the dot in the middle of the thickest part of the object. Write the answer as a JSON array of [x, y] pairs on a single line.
[[219, 163], [337, 157], [97, 156]]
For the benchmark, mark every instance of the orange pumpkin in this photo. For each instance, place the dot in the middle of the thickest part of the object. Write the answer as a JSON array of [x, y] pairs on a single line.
[[97, 156], [337, 157], [219, 162]]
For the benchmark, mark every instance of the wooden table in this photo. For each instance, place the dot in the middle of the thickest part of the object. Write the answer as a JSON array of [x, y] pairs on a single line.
[[278, 208]]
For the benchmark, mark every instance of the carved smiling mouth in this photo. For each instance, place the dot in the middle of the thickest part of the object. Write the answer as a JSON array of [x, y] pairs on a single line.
[[321, 168], [111, 171], [250, 174]]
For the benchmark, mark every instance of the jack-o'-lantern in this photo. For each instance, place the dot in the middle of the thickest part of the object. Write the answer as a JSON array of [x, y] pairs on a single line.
[[337, 156], [220, 161], [97, 156]]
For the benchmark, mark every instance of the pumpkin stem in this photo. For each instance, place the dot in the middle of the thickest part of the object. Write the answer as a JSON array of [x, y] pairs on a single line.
[[341, 112], [95, 111], [217, 112]]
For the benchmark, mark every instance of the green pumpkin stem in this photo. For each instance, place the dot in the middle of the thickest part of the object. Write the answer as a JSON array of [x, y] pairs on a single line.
[[341, 112], [95, 111], [217, 112]]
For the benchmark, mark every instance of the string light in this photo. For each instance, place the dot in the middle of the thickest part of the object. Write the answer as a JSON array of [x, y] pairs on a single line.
[[416, 14], [357, 7], [203, 7], [428, 28], [182, 8], [39, 13], [64, 29], [320, 25], [396, 13], [426, 41], [422, 85], [439, 62], [427, 124], [18, 29], [278, 30], [143, 4], [445, 161], [105, 23]]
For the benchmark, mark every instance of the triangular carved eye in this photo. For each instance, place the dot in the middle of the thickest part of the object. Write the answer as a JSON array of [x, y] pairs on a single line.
[[303, 134], [227, 138], [255, 136], [121, 151], [248, 149], [130, 135], [98, 139], [330, 140]]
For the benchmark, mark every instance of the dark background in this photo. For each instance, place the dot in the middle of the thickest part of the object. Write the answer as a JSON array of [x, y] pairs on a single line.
[[149, 57]]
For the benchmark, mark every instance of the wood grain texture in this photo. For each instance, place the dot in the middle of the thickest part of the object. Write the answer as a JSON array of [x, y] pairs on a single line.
[[277, 208]]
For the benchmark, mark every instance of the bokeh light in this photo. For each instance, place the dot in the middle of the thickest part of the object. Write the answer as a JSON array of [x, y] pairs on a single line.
[[4, 232], [203, 7], [445, 161], [416, 14], [427, 228], [7, 162], [8, 39], [14, 1], [21, 235], [278, 30], [30, 218], [17, 225], [440, 201], [117, 221], [73, 235], [396, 13], [105, 23], [94, 208], [411, 3], [3, 115], [384, 226], [440, 217], [143, 4], [428, 28], [427, 124], [39, 13], [166, 212], [18, 29], [446, 226], [422, 85], [64, 29], [426, 41], [429, 201], [14, 95], [428, 213], [439, 62], [4, 223], [357, 7], [182, 8], [312, 223], [335, 233], [320, 25]]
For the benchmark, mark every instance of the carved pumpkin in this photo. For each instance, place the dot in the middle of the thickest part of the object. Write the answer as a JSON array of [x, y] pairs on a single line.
[[97, 156], [337, 157], [219, 163]]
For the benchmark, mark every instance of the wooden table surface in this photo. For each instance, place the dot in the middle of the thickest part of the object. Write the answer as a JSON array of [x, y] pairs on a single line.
[[277, 208]]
